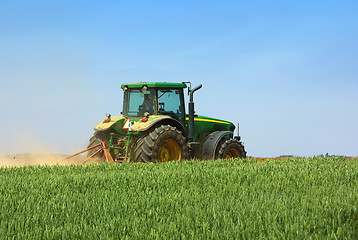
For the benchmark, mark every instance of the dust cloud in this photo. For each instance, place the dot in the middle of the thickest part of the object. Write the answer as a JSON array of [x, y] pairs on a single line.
[[21, 160], [31, 151]]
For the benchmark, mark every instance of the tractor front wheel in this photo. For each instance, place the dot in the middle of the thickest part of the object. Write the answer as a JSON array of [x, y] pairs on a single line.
[[163, 144], [231, 148]]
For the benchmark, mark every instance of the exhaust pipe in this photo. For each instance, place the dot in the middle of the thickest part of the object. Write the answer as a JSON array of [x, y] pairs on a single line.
[[192, 112]]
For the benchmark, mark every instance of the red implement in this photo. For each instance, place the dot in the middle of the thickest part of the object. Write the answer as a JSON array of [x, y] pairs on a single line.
[[103, 148]]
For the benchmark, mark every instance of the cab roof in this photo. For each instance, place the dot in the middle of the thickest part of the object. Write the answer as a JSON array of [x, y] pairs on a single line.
[[154, 85]]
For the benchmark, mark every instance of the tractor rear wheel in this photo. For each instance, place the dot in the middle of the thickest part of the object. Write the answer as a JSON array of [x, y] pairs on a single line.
[[231, 148], [165, 143]]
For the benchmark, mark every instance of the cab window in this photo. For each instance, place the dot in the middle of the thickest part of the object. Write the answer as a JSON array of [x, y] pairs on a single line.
[[137, 102], [171, 103]]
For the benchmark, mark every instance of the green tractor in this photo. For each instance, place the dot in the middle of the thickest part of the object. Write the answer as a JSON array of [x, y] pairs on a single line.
[[156, 128]]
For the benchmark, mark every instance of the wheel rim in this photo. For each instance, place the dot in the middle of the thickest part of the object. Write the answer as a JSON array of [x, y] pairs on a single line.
[[169, 151], [232, 153]]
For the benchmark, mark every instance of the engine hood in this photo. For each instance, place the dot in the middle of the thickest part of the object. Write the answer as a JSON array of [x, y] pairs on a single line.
[[105, 124]]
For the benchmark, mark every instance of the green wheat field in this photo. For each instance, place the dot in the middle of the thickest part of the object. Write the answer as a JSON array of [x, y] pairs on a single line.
[[293, 198]]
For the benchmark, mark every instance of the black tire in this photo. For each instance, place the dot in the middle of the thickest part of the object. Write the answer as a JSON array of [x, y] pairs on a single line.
[[164, 143], [231, 148], [98, 158]]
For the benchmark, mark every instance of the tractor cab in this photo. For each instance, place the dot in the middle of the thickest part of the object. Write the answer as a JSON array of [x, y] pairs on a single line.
[[148, 99]]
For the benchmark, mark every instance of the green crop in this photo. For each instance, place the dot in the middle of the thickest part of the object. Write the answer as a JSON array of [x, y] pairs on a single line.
[[294, 198]]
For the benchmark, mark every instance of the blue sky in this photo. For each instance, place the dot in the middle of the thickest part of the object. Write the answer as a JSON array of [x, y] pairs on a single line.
[[286, 70]]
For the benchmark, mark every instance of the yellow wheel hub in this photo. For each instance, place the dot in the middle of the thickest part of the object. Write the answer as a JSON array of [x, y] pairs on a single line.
[[169, 151], [232, 153]]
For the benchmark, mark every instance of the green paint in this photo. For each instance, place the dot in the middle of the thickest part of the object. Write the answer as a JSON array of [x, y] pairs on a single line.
[[203, 126], [154, 85]]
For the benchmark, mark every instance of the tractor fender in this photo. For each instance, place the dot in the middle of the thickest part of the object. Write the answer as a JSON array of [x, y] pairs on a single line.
[[104, 125], [211, 143], [162, 120]]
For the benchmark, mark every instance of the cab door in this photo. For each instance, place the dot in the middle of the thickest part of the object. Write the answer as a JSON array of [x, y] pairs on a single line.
[[171, 103]]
